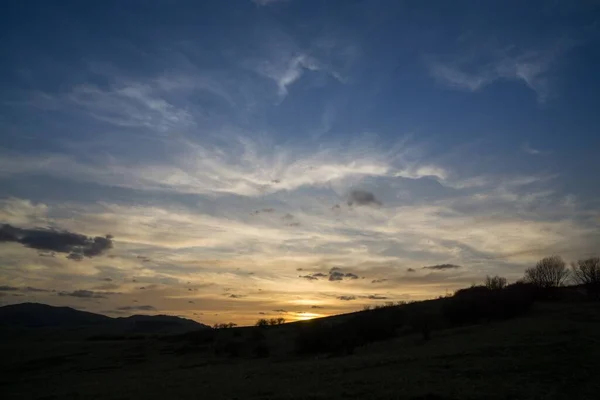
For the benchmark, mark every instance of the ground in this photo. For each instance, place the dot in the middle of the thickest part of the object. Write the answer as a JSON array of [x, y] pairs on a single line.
[[552, 353]]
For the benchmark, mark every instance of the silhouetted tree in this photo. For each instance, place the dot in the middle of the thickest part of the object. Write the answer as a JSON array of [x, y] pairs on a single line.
[[549, 272], [227, 325], [262, 322], [495, 282], [587, 272], [280, 321]]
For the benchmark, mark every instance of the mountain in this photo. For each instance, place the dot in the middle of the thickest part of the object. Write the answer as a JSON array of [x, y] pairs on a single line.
[[35, 315]]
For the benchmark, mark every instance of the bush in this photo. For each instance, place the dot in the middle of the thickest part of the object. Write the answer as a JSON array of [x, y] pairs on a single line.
[[479, 303], [342, 338]]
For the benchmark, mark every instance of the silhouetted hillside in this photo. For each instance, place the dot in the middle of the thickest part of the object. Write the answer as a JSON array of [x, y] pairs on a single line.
[[32, 315], [35, 315]]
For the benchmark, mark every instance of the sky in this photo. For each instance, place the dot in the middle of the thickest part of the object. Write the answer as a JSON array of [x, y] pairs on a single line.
[[232, 160]]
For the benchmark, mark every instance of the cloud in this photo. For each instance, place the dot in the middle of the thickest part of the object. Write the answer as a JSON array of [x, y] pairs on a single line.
[[377, 297], [286, 72], [410, 270], [287, 217], [362, 198], [346, 298], [484, 67], [264, 211], [86, 294], [32, 289], [280, 311], [335, 274], [137, 308], [378, 280], [440, 267], [127, 105], [316, 307], [243, 167], [22, 289], [236, 296], [76, 245], [23, 212]]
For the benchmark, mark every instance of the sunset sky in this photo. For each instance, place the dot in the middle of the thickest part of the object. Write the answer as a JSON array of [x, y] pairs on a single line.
[[232, 160]]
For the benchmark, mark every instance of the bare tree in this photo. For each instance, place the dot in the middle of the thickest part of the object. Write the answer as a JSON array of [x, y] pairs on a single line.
[[548, 272], [280, 321], [228, 325], [262, 322], [587, 272], [495, 282]]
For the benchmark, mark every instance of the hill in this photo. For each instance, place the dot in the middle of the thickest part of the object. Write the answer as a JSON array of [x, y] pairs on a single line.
[[549, 353], [34, 316]]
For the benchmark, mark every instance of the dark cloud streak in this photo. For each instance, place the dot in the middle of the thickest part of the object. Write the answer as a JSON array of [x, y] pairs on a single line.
[[76, 245], [362, 198], [441, 267]]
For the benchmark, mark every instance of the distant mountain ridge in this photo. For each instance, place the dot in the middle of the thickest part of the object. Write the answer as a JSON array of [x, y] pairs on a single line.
[[36, 315]]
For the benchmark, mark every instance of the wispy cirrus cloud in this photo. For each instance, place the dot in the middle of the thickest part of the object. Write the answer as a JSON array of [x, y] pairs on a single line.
[[289, 66], [243, 168], [483, 67]]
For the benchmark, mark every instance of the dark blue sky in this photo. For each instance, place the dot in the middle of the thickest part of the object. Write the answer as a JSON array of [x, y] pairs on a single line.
[[169, 124]]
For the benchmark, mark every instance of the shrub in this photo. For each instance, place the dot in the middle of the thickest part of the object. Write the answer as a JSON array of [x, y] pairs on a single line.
[[344, 337], [479, 303]]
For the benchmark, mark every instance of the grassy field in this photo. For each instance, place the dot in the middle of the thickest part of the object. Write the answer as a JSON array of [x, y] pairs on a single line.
[[552, 353]]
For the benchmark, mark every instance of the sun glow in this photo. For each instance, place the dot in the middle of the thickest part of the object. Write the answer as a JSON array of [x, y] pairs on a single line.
[[306, 316]]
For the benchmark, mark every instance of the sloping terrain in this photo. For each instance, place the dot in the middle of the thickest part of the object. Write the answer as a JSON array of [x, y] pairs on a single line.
[[551, 353]]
